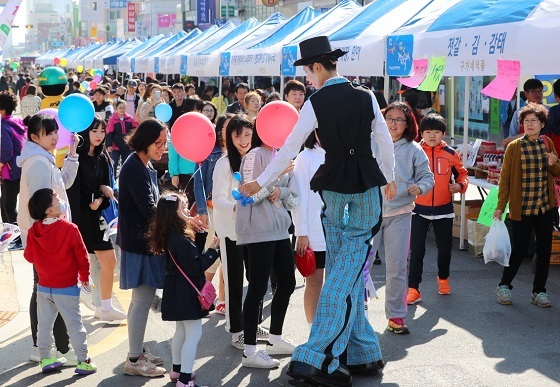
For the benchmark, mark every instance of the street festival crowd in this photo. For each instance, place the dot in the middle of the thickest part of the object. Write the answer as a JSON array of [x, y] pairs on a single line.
[[353, 172]]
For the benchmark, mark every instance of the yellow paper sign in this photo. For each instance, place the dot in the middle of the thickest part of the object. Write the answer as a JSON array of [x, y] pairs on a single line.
[[435, 73]]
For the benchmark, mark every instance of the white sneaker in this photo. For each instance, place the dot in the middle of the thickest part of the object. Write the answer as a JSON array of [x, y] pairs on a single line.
[[262, 333], [34, 356], [240, 342], [71, 359], [259, 359], [86, 298], [284, 347], [110, 315]]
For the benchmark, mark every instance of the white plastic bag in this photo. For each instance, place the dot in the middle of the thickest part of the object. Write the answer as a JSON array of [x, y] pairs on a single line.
[[497, 247]]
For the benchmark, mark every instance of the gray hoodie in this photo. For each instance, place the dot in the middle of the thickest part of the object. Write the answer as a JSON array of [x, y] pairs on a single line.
[[411, 167], [264, 221], [38, 170]]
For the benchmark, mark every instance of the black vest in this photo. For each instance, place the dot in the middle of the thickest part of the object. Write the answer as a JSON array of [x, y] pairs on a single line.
[[344, 114]]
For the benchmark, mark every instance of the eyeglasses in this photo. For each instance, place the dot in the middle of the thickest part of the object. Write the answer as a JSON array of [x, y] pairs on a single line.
[[160, 144], [536, 91], [531, 122], [208, 110], [398, 120]]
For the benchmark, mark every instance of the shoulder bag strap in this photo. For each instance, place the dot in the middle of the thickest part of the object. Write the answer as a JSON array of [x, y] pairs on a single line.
[[182, 272]]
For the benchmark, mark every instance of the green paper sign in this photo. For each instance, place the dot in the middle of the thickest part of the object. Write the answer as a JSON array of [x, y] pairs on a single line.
[[488, 207], [435, 73]]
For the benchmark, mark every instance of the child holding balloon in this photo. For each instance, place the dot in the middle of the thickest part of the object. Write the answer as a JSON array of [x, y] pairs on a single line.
[[39, 171], [118, 128]]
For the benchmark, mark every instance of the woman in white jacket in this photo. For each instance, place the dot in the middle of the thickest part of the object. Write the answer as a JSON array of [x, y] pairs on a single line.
[[38, 170], [307, 220]]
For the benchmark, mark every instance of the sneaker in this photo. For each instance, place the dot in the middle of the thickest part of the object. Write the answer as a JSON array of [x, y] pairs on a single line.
[[153, 358], [34, 356], [443, 286], [397, 325], [240, 342], [189, 384], [262, 333], [259, 359], [111, 315], [504, 295], [413, 296], [15, 246], [85, 367], [51, 364], [284, 347], [85, 298], [221, 308], [70, 356], [541, 300], [174, 376], [143, 367]]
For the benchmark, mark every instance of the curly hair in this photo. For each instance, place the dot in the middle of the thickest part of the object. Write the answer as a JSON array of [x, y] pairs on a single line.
[[411, 130], [8, 102], [166, 220], [536, 109]]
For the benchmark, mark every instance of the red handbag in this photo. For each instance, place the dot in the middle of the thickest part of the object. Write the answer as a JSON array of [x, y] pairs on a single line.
[[206, 295], [306, 263]]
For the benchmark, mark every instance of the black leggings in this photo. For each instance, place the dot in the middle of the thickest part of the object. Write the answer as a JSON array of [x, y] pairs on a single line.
[[61, 339], [263, 257]]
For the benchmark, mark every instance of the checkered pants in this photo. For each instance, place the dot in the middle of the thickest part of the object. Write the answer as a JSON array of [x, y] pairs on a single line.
[[340, 322]]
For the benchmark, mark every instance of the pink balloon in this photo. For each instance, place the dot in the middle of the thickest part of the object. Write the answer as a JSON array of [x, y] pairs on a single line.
[[97, 78], [64, 136], [193, 136], [93, 85], [56, 61], [275, 122]]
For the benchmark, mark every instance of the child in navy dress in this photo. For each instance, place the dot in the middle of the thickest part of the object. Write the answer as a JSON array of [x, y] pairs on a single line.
[[171, 235]]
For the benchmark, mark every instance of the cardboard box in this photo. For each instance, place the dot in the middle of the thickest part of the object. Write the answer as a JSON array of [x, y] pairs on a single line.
[[472, 209], [555, 254], [476, 236]]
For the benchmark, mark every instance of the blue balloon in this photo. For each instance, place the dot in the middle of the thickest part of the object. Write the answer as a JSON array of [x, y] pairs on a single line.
[[76, 112], [239, 196], [237, 176], [163, 112], [236, 194]]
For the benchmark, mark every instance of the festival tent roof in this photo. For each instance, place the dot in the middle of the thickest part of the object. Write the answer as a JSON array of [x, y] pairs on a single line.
[[110, 58], [48, 58], [154, 58], [364, 37], [176, 62], [123, 62], [473, 34], [75, 58], [265, 60], [169, 62], [87, 61], [206, 62], [140, 62]]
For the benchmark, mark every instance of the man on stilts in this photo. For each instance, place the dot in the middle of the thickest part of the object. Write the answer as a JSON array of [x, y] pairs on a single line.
[[347, 120]]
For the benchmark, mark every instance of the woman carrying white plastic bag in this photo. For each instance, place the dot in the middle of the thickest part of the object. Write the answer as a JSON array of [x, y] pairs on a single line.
[[497, 247]]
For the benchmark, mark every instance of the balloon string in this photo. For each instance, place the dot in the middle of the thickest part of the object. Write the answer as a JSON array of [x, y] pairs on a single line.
[[204, 193]]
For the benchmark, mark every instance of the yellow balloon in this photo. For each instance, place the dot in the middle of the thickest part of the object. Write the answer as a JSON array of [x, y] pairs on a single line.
[[82, 89], [63, 62], [80, 69], [92, 72]]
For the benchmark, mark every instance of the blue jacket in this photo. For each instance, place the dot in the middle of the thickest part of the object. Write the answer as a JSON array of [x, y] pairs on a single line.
[[12, 139], [203, 180], [178, 165], [138, 196]]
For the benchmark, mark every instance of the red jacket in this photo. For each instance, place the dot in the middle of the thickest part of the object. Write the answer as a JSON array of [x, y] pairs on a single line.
[[58, 253], [444, 163]]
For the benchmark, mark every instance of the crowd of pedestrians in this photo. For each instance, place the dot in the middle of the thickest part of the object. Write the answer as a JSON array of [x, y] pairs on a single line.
[[365, 176]]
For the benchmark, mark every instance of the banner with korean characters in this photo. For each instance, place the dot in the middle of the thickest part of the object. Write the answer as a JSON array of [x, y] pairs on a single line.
[[261, 62], [471, 51], [206, 65]]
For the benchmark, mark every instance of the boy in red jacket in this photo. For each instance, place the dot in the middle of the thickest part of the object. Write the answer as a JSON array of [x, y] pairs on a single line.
[[56, 249], [435, 207]]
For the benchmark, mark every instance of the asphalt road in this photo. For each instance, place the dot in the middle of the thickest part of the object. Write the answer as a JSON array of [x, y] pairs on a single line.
[[463, 339]]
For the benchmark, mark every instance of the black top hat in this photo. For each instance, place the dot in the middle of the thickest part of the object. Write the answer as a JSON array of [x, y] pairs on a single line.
[[317, 49]]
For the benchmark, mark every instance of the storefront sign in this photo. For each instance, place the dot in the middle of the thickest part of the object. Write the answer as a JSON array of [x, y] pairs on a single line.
[[131, 18]]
